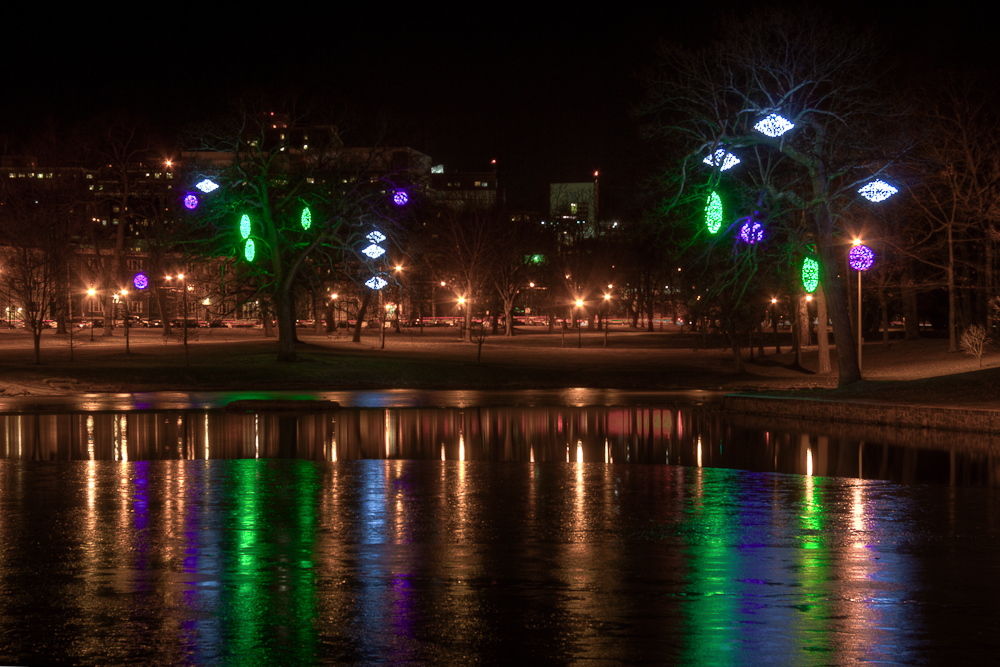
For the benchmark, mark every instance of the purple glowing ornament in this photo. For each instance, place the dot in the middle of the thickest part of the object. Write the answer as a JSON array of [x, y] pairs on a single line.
[[399, 197], [140, 281], [751, 232], [191, 202], [861, 258]]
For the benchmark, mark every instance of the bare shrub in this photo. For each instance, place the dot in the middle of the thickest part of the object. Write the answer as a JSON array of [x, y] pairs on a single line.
[[974, 340]]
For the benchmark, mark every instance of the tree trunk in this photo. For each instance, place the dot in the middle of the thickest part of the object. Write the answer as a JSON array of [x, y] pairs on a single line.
[[822, 337], [883, 303], [908, 291], [286, 325], [362, 313], [737, 352], [161, 306], [952, 333], [847, 354]]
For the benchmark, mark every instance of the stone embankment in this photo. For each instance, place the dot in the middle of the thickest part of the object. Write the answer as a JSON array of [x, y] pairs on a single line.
[[970, 420]]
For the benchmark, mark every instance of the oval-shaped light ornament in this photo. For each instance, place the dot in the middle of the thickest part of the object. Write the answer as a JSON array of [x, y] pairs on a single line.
[[249, 250], [245, 226], [307, 218], [810, 274], [713, 213]]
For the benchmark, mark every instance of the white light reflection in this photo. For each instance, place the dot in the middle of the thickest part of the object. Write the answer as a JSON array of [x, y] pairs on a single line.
[[206, 436], [461, 446], [699, 451], [531, 454], [809, 462], [579, 451], [442, 452], [256, 438], [90, 437]]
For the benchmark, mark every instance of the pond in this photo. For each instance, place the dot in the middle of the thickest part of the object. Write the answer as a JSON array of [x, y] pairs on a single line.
[[655, 531]]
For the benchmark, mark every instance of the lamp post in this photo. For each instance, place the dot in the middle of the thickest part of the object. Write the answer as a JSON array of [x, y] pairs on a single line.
[[607, 302], [774, 323], [461, 319], [184, 322], [124, 297], [860, 258], [579, 329], [91, 292]]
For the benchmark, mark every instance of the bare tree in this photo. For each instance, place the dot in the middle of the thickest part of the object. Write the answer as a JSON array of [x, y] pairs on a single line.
[[303, 196], [821, 77], [39, 220]]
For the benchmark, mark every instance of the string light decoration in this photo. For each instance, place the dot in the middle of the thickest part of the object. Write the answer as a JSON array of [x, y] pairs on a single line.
[[751, 232], [140, 281], [376, 283], [307, 218], [374, 251], [245, 226], [191, 202], [249, 250], [207, 186], [774, 125], [810, 274], [400, 198], [713, 213], [877, 190], [861, 258], [721, 157]]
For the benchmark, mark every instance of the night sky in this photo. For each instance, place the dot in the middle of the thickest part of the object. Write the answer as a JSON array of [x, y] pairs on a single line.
[[547, 93]]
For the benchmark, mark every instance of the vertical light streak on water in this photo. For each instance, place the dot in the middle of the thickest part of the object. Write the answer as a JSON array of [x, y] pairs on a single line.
[[699, 451], [207, 446], [714, 573], [461, 446], [251, 581], [180, 439], [812, 625], [123, 424], [607, 451], [531, 453], [333, 441], [579, 451], [304, 595], [90, 437], [256, 436], [385, 427], [443, 458]]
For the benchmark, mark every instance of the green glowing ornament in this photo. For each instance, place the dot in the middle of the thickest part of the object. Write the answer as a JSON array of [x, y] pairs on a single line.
[[713, 213], [245, 226], [307, 218], [249, 251], [810, 274]]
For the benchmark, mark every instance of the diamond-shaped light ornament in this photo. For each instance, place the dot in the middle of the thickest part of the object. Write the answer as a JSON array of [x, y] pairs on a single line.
[[376, 237], [774, 125], [722, 159], [374, 251], [376, 283], [207, 186], [877, 190]]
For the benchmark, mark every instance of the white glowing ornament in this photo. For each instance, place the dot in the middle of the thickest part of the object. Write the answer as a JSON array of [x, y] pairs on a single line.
[[877, 191], [721, 157], [207, 186], [374, 251], [376, 237], [774, 125], [376, 283]]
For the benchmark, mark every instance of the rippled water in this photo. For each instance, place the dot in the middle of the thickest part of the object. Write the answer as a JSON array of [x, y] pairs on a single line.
[[203, 538]]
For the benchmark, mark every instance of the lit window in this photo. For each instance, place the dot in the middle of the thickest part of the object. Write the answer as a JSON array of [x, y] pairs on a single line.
[[169, 175], [310, 180], [305, 146], [90, 176], [477, 184], [572, 208], [485, 184]]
